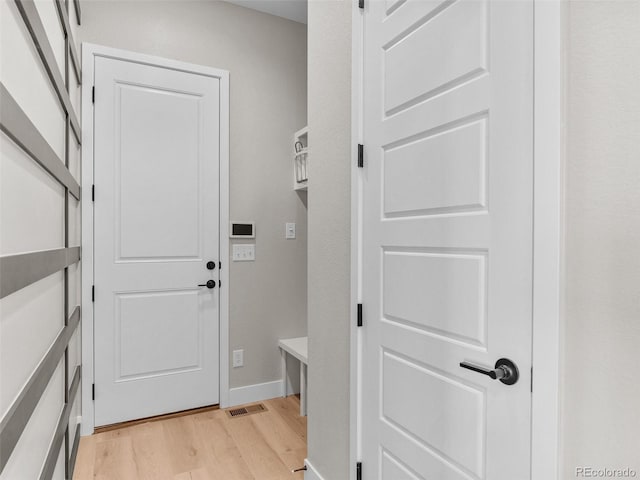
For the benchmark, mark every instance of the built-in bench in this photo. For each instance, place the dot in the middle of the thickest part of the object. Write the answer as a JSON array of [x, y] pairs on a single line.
[[297, 348]]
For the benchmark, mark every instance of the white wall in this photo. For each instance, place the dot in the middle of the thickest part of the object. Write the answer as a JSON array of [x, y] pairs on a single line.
[[601, 424], [330, 146], [266, 58], [32, 217]]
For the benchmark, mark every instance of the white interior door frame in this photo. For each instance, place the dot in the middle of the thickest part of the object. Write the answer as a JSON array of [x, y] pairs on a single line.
[[89, 52], [547, 242]]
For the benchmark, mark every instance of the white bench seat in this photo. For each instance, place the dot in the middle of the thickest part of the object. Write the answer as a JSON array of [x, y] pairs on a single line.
[[297, 348]]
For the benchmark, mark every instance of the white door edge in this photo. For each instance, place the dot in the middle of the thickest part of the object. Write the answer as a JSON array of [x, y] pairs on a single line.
[[548, 238], [89, 52], [357, 106], [547, 242]]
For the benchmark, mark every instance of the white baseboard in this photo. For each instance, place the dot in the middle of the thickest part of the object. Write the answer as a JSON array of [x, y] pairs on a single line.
[[311, 473], [255, 393]]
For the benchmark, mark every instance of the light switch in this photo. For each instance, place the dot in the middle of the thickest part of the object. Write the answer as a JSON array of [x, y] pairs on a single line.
[[290, 230], [244, 253], [238, 358]]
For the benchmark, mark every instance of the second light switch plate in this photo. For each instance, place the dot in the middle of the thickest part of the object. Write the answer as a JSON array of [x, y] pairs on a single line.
[[290, 230], [244, 252]]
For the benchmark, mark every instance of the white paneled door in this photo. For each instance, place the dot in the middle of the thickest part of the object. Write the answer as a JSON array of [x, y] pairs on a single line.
[[447, 239], [156, 210]]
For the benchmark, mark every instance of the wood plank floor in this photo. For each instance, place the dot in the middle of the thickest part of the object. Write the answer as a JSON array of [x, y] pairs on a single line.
[[201, 446]]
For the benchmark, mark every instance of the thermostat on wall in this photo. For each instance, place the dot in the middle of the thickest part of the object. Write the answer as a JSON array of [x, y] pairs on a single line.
[[243, 230]]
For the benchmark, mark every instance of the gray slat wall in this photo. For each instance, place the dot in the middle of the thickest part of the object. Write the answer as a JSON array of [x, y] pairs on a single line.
[[18, 271]]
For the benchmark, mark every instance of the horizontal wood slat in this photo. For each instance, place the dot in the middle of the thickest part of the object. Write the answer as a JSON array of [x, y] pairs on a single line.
[[16, 419], [74, 452], [21, 270], [32, 20], [64, 17], [76, 4], [15, 123], [61, 429]]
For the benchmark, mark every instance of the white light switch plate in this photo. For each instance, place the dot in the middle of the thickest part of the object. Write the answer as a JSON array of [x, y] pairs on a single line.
[[244, 253], [290, 230], [238, 358]]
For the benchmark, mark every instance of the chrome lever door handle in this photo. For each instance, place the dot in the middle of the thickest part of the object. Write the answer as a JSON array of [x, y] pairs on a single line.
[[505, 370], [209, 284]]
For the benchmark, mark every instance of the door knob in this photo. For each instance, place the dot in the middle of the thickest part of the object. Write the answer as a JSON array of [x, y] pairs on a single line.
[[505, 370], [209, 284], [211, 265]]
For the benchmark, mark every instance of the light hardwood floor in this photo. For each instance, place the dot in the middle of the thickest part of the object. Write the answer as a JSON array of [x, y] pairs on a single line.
[[201, 446]]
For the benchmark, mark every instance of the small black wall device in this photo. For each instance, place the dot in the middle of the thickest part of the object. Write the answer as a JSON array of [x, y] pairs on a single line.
[[242, 230]]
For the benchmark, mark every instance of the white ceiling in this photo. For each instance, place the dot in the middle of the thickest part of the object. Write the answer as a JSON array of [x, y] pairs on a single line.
[[295, 10]]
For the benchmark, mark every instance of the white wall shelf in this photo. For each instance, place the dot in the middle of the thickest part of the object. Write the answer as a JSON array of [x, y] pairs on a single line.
[[300, 159]]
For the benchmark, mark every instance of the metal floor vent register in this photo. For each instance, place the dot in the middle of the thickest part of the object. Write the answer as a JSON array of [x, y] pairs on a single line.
[[248, 410]]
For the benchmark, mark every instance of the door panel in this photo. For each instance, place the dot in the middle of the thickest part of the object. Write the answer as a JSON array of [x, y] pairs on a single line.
[[451, 413], [456, 304], [450, 36], [145, 322], [156, 210], [158, 201], [443, 172], [393, 468], [447, 238]]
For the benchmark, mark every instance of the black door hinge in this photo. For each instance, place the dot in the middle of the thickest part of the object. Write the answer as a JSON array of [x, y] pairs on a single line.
[[93, 293], [359, 471], [93, 391], [361, 3], [359, 314], [93, 193], [531, 379], [360, 155], [93, 94]]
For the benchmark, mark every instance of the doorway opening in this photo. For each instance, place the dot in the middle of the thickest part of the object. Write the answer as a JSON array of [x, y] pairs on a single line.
[[157, 162]]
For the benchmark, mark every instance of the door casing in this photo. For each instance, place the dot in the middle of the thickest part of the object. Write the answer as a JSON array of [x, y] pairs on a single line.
[[547, 237], [89, 52]]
